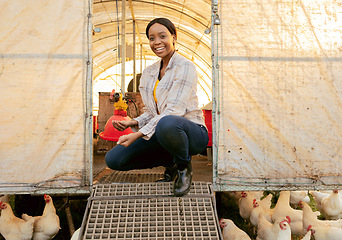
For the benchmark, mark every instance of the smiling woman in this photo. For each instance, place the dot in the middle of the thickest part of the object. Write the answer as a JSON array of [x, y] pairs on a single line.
[[111, 79], [191, 19], [162, 36], [172, 126]]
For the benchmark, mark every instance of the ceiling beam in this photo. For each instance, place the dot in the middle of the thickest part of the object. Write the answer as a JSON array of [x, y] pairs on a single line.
[[185, 32], [134, 20], [170, 8]]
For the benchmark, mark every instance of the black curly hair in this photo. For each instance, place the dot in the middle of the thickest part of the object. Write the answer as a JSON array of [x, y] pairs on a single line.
[[165, 22]]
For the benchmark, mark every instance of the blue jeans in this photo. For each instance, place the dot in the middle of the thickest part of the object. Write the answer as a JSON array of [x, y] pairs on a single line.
[[174, 141]]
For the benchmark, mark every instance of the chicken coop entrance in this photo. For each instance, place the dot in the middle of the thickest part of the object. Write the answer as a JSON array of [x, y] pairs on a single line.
[[150, 211], [121, 51]]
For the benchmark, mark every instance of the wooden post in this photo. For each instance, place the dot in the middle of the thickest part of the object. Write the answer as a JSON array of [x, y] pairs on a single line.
[[69, 217]]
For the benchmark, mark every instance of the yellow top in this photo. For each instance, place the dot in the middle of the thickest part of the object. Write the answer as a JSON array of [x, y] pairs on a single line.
[[154, 91], [121, 104]]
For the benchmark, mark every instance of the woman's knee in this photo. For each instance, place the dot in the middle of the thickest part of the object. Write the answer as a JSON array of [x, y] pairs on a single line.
[[167, 124], [113, 159]]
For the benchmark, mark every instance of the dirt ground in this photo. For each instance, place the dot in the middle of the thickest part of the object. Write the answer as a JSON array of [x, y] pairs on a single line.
[[201, 164]]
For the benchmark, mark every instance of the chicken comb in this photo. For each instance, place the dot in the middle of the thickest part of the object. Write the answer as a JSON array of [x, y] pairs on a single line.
[[300, 204], [224, 224], [309, 227], [281, 226], [0, 202], [288, 219], [254, 200]]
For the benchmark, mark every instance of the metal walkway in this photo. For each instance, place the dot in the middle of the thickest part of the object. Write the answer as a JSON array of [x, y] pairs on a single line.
[[150, 211]]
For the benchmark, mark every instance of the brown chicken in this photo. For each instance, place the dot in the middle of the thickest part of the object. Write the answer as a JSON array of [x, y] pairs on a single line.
[[47, 225], [12, 227]]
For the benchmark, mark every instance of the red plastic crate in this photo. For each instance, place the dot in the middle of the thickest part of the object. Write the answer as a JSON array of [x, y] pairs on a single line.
[[95, 124], [209, 123]]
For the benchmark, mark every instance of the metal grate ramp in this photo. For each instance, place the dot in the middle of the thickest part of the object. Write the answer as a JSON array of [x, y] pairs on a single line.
[[150, 211]]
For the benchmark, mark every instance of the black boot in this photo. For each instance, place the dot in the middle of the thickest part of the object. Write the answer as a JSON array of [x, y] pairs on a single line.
[[183, 180], [169, 174]]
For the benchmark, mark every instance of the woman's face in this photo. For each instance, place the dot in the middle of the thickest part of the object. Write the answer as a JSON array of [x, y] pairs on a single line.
[[161, 41]]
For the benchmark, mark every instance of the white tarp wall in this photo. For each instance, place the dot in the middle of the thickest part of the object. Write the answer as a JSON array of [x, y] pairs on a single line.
[[45, 115], [278, 94]]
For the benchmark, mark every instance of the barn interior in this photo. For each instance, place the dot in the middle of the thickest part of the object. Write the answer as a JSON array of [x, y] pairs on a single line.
[[271, 69], [112, 27]]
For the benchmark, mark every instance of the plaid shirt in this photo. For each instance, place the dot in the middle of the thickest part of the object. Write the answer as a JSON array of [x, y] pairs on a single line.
[[176, 94]]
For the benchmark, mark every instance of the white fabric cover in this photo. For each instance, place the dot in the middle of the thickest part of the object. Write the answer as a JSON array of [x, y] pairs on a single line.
[[43, 54], [279, 93]]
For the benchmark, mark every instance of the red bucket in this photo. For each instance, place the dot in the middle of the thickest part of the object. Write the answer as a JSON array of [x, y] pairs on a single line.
[[112, 134]]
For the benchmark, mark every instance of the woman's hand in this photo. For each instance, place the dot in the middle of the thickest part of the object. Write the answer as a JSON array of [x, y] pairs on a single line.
[[122, 125], [126, 140]]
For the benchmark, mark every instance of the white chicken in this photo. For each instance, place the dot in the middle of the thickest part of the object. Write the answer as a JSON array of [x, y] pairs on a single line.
[[76, 234], [318, 197], [231, 232], [246, 203], [334, 223], [283, 209], [257, 194], [12, 227], [261, 207], [266, 201], [309, 218], [236, 195], [332, 206], [47, 225], [279, 230], [325, 233], [307, 236], [297, 196], [5, 198]]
